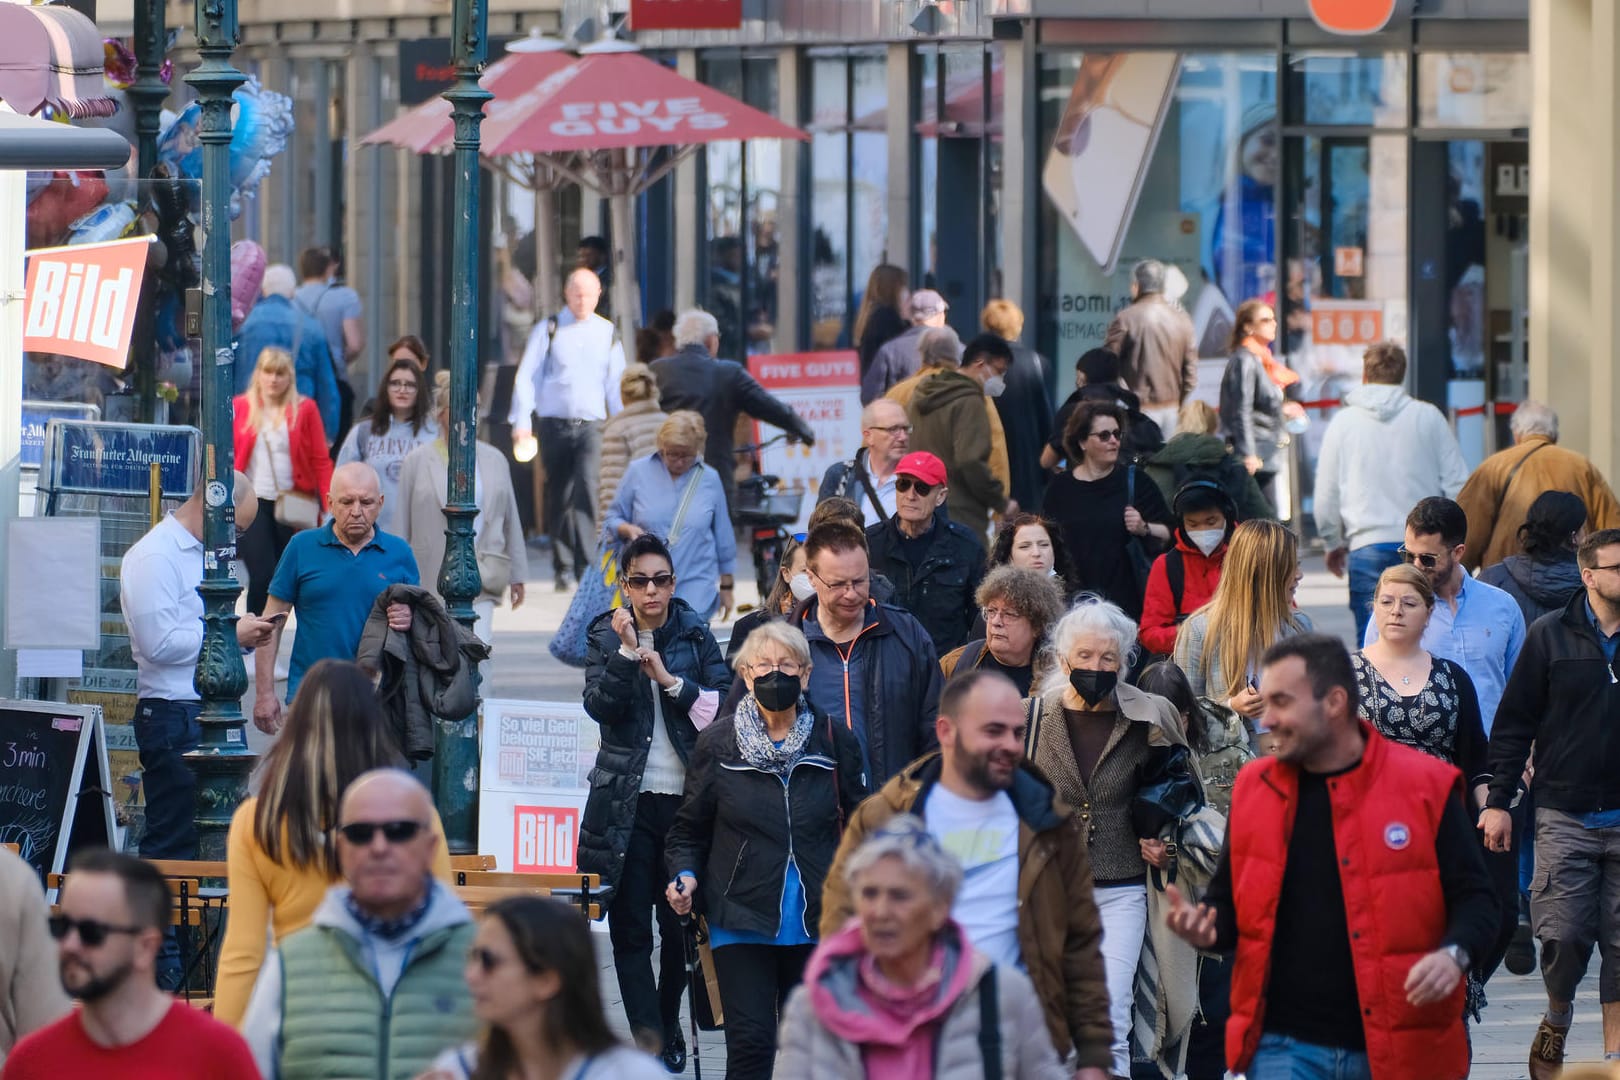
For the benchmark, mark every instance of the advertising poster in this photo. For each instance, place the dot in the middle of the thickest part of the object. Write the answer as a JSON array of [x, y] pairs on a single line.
[[537, 761], [825, 389], [81, 299]]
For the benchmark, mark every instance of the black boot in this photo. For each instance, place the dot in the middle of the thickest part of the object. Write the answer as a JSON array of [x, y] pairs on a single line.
[[674, 1055]]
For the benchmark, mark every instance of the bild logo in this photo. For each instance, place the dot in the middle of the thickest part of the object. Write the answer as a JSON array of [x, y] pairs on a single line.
[[544, 839]]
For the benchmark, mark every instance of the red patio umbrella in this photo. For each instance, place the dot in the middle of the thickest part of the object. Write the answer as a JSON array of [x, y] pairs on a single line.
[[618, 122], [429, 129]]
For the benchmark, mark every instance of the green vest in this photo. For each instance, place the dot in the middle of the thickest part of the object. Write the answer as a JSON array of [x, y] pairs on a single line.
[[339, 1026]]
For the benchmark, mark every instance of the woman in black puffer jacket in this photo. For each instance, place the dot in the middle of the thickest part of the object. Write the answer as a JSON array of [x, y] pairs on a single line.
[[653, 679], [1545, 577], [766, 798]]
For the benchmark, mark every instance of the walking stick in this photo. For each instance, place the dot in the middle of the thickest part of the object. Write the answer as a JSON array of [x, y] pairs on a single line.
[[694, 978]]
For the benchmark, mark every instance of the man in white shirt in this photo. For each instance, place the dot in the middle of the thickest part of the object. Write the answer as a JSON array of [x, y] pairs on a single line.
[[569, 377]]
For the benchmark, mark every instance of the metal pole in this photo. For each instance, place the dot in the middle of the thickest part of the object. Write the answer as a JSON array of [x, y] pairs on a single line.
[[222, 761], [147, 96], [455, 754]]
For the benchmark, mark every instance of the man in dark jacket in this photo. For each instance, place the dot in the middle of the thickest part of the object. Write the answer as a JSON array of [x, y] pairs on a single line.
[[867, 479], [1026, 406], [1562, 698], [982, 799], [936, 565], [1157, 350], [949, 420], [875, 668], [718, 390]]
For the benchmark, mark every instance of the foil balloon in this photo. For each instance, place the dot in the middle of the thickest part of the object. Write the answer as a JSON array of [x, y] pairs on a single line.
[[247, 274]]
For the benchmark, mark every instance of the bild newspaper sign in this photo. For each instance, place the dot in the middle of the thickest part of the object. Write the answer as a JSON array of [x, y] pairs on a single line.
[[537, 761], [81, 300]]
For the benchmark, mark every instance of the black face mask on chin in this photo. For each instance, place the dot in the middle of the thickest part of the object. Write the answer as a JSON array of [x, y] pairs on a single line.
[[1093, 686], [776, 691]]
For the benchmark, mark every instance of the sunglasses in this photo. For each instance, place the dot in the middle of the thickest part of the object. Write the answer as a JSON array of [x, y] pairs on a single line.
[[91, 932], [640, 582], [1110, 435], [486, 960], [360, 833], [1423, 559], [907, 483]]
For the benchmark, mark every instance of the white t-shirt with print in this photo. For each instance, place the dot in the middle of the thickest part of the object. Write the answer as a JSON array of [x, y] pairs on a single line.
[[984, 838]]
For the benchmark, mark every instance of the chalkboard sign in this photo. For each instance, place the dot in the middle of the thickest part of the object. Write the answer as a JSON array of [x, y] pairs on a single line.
[[55, 788]]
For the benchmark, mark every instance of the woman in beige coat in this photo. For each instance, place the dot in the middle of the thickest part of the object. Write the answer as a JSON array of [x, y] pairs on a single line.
[[503, 560], [630, 434]]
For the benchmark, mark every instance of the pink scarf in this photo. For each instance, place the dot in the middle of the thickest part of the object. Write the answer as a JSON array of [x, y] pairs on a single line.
[[915, 1056]]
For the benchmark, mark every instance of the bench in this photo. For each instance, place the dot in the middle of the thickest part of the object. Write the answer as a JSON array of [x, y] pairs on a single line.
[[580, 888]]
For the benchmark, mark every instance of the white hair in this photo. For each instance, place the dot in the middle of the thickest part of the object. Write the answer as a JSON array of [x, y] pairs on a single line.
[[1091, 614], [279, 280], [906, 838], [869, 415], [939, 347], [694, 328], [1534, 418], [775, 632]]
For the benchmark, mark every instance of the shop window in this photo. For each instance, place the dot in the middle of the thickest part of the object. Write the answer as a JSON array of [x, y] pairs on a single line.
[[1348, 90], [1473, 90], [742, 192]]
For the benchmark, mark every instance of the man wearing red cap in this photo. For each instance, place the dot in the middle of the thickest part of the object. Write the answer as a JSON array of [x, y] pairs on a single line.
[[935, 564]]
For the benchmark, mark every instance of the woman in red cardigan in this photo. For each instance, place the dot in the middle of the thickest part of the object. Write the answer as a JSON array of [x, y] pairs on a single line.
[[281, 446]]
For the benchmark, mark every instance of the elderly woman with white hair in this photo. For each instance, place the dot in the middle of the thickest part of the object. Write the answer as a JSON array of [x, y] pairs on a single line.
[[1098, 739], [718, 390], [674, 495], [767, 790], [900, 992]]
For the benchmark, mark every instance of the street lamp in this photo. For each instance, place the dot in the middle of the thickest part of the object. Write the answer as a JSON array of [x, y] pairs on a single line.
[[455, 752], [222, 760]]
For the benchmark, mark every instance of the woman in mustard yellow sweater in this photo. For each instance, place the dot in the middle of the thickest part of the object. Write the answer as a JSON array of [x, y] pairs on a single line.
[[282, 853]]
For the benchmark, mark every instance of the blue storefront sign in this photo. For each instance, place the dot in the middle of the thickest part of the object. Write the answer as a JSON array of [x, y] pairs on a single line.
[[37, 415], [81, 457]]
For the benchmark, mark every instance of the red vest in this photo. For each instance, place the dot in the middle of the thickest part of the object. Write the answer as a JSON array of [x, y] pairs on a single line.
[[1386, 815]]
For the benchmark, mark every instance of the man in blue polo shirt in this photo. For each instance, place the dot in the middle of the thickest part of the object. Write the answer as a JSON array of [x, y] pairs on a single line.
[[332, 575]]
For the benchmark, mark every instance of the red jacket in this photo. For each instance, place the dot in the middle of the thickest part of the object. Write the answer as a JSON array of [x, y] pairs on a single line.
[[1386, 817], [1160, 616], [311, 460]]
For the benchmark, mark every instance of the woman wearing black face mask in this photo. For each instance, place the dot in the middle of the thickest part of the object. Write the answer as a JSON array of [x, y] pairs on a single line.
[[1097, 738], [767, 792]]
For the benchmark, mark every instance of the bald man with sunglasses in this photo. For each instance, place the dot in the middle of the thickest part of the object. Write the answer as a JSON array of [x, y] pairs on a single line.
[[374, 985]]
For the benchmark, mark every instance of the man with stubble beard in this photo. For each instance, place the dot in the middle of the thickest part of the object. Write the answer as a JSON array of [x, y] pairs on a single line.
[[108, 929]]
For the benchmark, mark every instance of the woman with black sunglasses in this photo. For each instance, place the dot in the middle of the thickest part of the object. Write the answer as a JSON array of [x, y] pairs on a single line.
[[654, 677], [1112, 515], [532, 971], [282, 851]]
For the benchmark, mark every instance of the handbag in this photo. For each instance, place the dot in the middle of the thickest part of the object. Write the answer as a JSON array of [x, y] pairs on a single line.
[[1141, 564], [599, 590], [295, 510], [710, 1015], [1170, 793]]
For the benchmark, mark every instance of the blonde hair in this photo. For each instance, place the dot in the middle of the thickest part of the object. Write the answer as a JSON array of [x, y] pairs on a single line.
[[684, 429], [1411, 577], [1003, 318], [1197, 417], [1252, 605], [272, 361], [441, 393], [637, 384]]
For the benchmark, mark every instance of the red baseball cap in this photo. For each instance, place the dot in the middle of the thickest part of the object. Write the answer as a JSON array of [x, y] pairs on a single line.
[[923, 466]]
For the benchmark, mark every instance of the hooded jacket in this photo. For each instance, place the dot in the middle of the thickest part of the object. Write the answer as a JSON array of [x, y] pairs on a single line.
[[832, 1029], [1059, 929], [1200, 573], [1537, 585], [904, 393], [427, 671], [619, 698], [1357, 505], [1190, 456], [940, 590], [948, 418]]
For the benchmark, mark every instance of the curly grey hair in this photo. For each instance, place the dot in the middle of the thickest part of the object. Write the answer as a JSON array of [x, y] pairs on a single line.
[[906, 838]]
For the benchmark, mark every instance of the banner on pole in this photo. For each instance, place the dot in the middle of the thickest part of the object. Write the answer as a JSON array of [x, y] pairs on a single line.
[[81, 300]]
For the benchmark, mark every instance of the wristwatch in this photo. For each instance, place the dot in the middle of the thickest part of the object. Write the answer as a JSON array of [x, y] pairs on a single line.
[[1460, 956]]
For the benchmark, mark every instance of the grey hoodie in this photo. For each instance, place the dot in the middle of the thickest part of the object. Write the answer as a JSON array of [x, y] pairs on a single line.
[[1383, 452]]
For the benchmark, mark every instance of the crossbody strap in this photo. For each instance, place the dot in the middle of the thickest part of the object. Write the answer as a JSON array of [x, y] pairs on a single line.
[[1514, 472], [686, 503], [871, 489], [990, 1025]]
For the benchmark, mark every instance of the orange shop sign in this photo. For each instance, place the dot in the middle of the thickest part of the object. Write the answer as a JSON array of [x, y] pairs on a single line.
[[1354, 17], [81, 300], [1347, 322]]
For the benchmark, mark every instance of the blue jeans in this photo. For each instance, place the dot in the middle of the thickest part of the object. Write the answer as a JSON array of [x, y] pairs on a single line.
[[1282, 1057], [1366, 563], [164, 732]]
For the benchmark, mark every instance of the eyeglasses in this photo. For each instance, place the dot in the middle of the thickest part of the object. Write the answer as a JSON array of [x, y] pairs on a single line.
[[402, 384], [856, 585], [360, 833], [765, 667], [1611, 566], [1002, 615], [1106, 435], [1422, 558], [486, 960], [1262, 320], [641, 582], [892, 429], [91, 931], [904, 484]]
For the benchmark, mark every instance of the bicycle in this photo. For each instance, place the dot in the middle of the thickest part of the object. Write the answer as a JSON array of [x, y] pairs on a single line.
[[765, 511]]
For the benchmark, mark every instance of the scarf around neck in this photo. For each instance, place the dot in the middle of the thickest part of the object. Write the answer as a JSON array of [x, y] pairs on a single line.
[[754, 741], [1282, 375], [390, 929]]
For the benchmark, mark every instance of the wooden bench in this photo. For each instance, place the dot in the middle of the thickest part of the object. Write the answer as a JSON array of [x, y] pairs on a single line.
[[472, 862], [479, 897], [580, 888]]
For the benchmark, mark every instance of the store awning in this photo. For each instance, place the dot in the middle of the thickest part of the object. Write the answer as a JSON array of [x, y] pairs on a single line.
[[429, 128], [51, 56], [620, 100], [30, 143]]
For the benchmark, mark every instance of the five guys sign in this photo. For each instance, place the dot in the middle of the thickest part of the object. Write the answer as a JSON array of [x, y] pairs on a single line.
[[685, 14]]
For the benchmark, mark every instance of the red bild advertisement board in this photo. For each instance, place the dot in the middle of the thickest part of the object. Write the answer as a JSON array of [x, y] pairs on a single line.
[[685, 14]]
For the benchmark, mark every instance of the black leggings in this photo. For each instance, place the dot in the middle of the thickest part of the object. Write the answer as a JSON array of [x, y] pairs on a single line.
[[260, 548]]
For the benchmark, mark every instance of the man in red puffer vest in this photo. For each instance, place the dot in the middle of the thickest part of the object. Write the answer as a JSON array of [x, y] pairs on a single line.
[[1351, 887]]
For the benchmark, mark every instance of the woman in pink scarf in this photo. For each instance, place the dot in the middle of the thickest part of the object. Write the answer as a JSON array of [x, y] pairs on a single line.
[[899, 993]]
